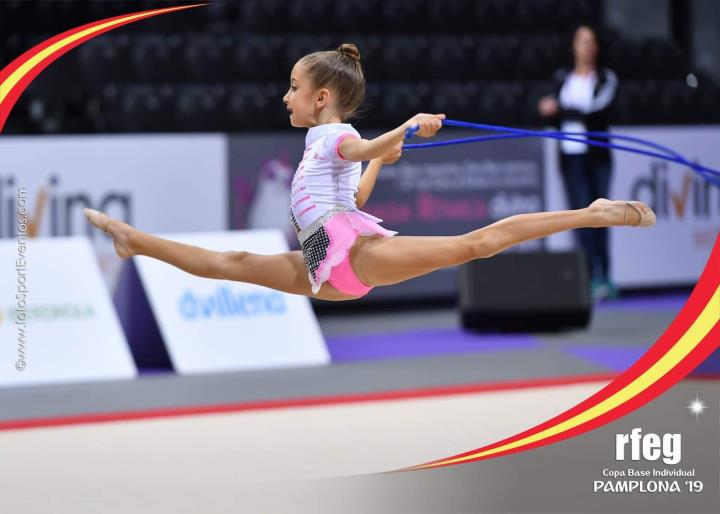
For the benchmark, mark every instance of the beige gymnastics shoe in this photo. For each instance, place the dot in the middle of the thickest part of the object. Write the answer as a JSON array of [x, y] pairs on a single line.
[[645, 215], [119, 231], [98, 219]]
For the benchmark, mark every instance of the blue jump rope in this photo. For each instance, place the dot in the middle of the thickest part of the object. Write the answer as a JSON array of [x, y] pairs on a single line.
[[709, 174]]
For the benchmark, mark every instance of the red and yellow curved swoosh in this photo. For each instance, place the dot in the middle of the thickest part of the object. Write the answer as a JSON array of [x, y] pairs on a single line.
[[689, 340], [17, 75]]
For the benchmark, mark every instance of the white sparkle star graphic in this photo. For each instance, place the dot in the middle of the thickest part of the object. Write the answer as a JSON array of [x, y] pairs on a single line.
[[697, 407]]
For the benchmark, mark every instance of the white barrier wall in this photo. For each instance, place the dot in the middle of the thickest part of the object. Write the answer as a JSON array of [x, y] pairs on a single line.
[[675, 250], [57, 323], [159, 183], [219, 325]]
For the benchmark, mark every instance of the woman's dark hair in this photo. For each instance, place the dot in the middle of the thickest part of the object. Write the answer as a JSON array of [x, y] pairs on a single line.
[[339, 70], [600, 42]]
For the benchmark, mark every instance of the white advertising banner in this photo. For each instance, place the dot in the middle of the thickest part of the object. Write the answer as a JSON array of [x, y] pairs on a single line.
[[57, 322], [158, 183], [675, 250], [219, 325]]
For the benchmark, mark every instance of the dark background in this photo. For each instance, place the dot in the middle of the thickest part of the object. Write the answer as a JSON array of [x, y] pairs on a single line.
[[225, 66]]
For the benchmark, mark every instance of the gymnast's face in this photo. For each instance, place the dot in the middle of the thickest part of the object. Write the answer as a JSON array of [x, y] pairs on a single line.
[[304, 101], [585, 45]]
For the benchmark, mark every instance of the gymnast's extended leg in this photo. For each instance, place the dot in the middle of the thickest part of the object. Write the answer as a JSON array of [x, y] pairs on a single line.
[[383, 261], [284, 272]]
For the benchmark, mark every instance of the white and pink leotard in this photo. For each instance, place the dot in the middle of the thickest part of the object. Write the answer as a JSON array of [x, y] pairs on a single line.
[[323, 209]]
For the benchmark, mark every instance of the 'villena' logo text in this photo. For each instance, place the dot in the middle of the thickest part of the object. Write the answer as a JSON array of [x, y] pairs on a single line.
[[226, 303]]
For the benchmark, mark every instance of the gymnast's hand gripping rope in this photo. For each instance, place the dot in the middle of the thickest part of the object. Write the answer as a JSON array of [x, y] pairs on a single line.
[[709, 174]]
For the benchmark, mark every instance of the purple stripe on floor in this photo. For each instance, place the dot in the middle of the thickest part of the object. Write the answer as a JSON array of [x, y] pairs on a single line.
[[664, 302], [620, 358], [420, 343], [614, 358], [710, 366]]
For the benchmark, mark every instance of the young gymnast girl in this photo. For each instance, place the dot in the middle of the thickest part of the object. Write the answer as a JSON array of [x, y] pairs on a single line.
[[345, 252]]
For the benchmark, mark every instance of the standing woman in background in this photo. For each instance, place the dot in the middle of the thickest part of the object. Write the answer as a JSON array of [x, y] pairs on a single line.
[[581, 101]]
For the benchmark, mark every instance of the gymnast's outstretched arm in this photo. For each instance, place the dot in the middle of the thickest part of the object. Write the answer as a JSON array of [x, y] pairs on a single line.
[[358, 150]]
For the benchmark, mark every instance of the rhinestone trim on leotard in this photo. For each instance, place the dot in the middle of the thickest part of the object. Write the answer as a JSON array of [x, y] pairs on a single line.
[[314, 239], [308, 231]]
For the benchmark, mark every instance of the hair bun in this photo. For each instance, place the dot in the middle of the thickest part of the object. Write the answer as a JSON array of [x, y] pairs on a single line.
[[350, 50]]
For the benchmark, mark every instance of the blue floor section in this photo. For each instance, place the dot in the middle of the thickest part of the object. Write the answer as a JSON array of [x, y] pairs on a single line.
[[423, 343], [455, 340], [613, 358]]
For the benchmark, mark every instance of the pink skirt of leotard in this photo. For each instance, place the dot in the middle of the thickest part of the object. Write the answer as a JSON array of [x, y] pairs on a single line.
[[327, 249]]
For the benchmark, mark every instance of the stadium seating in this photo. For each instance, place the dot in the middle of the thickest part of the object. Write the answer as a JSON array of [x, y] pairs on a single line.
[[226, 66]]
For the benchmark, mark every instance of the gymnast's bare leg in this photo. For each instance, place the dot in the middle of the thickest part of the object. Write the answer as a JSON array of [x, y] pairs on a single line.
[[375, 260], [284, 272], [381, 261]]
